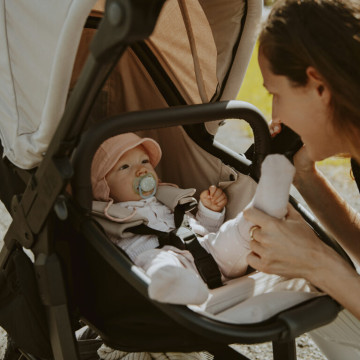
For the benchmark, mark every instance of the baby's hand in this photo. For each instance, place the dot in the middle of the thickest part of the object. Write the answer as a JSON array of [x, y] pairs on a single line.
[[214, 198]]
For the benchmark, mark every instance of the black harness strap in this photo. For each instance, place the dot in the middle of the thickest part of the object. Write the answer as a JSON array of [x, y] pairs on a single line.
[[165, 238], [184, 239], [205, 263]]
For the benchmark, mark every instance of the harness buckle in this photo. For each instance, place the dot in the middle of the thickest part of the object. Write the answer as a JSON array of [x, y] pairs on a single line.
[[205, 263]]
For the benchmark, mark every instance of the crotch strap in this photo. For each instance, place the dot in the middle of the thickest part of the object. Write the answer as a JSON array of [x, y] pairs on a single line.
[[184, 239]]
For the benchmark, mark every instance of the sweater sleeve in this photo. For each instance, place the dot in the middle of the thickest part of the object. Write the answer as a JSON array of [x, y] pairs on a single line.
[[210, 220]]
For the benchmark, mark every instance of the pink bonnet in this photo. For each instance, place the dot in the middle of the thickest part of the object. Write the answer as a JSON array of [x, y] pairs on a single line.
[[110, 152]]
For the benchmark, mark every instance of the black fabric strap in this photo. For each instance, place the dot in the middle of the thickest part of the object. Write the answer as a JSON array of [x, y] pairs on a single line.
[[183, 238], [180, 211], [205, 263], [165, 238]]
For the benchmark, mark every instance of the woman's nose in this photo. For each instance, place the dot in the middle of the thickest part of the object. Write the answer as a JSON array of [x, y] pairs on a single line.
[[141, 171]]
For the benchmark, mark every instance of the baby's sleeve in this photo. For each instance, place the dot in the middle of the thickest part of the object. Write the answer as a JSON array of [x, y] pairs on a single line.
[[210, 220]]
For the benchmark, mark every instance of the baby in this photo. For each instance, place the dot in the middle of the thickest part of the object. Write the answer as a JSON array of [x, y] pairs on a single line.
[[127, 192]]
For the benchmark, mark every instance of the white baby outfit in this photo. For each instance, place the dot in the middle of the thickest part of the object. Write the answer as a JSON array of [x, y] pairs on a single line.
[[160, 217], [172, 272], [170, 268]]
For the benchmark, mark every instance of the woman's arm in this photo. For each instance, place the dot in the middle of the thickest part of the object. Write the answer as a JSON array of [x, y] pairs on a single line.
[[338, 279], [338, 217], [289, 247]]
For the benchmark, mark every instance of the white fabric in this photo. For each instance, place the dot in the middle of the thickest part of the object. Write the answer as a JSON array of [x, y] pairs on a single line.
[[243, 52], [242, 56], [254, 298], [171, 281], [202, 216], [38, 44], [340, 339]]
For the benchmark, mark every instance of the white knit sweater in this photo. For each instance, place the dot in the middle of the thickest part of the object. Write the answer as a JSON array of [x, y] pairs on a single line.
[[162, 218]]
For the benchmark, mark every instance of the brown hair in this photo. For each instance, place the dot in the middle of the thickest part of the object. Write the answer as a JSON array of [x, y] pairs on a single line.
[[324, 34]]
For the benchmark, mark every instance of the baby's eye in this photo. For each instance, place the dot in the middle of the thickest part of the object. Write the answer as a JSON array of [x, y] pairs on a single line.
[[123, 167], [145, 161]]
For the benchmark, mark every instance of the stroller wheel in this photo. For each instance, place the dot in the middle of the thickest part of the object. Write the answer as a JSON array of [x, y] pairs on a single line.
[[13, 353]]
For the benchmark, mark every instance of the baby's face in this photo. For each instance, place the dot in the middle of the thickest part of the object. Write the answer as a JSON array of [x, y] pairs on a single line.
[[131, 165]]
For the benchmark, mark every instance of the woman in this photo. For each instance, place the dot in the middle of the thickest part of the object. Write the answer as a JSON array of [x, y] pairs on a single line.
[[309, 55]]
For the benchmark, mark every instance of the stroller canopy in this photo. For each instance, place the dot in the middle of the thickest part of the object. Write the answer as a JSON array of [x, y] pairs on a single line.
[[204, 47]]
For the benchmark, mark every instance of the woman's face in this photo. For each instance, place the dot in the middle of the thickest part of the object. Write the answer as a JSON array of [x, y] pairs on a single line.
[[305, 109]]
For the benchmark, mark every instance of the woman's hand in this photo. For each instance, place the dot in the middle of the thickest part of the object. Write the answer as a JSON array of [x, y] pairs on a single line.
[[290, 248], [214, 198], [286, 246]]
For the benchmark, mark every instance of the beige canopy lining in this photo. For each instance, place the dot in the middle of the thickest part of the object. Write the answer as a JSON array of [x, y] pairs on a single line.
[[197, 67], [34, 87], [204, 40], [190, 34], [189, 58], [200, 51]]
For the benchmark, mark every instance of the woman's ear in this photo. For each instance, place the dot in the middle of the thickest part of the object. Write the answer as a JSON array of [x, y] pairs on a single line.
[[316, 80]]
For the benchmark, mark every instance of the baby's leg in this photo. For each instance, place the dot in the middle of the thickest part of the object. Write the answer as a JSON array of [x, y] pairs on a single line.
[[173, 278], [272, 192], [230, 246]]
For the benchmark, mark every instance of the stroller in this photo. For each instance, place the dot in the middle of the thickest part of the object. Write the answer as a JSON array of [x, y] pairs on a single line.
[[164, 69]]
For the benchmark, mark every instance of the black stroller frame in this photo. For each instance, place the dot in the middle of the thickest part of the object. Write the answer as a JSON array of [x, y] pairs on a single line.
[[45, 204]]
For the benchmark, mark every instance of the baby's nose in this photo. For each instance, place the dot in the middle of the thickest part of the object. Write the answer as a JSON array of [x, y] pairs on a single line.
[[141, 171]]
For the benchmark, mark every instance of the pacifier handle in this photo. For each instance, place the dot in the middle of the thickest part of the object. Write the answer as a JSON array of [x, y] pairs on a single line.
[[145, 183]]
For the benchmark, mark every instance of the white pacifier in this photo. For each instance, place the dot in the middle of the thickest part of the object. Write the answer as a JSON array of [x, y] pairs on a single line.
[[144, 184]]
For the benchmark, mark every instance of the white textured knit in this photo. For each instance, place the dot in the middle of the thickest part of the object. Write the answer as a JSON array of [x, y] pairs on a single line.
[[161, 218]]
